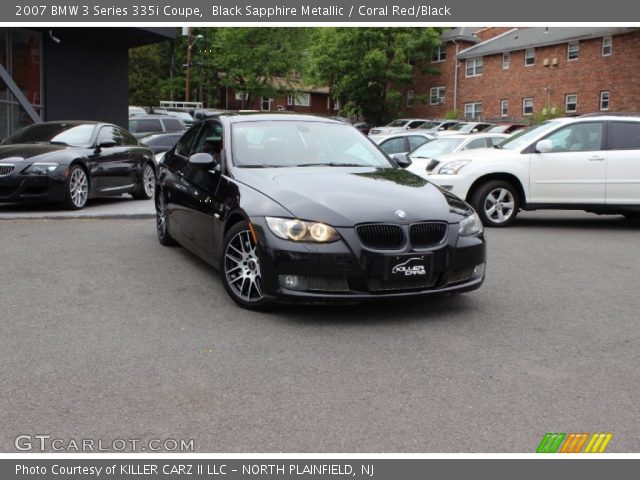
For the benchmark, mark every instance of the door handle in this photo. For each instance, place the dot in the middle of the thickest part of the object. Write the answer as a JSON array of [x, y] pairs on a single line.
[[596, 158]]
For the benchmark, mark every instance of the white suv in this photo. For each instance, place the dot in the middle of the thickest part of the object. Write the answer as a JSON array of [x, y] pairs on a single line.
[[584, 163]]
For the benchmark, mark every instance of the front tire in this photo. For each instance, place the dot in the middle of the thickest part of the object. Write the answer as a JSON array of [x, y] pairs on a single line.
[[76, 188], [497, 203], [240, 268], [162, 222], [147, 186]]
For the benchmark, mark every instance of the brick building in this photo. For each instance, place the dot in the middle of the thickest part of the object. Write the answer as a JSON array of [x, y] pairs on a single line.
[[516, 74]]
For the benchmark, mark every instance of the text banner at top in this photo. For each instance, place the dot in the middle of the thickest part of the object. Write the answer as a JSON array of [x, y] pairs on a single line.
[[317, 11]]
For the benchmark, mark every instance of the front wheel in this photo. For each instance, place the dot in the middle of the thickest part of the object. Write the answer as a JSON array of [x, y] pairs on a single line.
[[147, 186], [240, 268], [76, 188], [162, 222], [496, 203]]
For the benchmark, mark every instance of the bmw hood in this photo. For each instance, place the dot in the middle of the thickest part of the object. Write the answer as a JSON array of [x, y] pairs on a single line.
[[27, 151], [344, 196]]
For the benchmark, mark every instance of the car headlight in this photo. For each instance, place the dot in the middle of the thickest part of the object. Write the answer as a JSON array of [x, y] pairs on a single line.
[[471, 225], [452, 168], [301, 231], [41, 168]]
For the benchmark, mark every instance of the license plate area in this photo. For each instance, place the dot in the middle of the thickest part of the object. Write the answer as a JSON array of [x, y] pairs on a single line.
[[409, 267]]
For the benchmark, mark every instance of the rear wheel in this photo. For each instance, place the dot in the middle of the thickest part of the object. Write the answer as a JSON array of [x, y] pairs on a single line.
[[76, 188], [497, 203], [240, 268], [147, 186]]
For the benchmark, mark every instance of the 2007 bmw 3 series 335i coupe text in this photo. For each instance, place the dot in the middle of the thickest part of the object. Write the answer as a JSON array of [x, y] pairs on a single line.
[[300, 208]]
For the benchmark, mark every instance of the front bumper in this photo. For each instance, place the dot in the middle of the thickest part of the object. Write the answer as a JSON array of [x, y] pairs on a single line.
[[456, 184], [345, 271], [32, 188]]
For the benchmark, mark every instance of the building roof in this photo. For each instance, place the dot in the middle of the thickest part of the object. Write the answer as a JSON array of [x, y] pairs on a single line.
[[459, 33], [531, 37]]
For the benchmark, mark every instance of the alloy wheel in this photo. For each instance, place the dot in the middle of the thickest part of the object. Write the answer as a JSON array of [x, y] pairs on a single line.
[[242, 267], [499, 205], [78, 187], [149, 180]]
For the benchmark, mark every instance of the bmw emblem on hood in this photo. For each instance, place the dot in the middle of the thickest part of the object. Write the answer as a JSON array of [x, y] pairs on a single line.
[[401, 214]]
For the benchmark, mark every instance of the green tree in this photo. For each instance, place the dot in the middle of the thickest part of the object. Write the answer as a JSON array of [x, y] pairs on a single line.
[[367, 68], [260, 61]]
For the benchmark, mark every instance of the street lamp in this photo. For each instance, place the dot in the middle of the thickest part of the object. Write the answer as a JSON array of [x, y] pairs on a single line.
[[191, 41]]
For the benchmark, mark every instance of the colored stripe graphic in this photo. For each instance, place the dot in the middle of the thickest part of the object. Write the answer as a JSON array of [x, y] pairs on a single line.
[[598, 443], [550, 442], [574, 442]]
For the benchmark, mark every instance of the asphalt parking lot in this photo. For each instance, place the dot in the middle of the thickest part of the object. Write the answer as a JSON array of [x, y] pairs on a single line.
[[106, 334]]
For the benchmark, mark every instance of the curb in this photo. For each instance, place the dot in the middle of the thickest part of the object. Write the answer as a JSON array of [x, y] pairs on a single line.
[[134, 216]]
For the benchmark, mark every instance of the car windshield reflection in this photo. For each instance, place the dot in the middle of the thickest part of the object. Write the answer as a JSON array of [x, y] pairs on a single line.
[[302, 144]]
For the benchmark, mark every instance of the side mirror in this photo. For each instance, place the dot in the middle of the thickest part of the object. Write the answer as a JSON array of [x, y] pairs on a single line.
[[544, 146], [106, 144], [401, 160], [203, 160]]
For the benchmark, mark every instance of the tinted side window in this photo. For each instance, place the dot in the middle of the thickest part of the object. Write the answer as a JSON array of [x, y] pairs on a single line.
[[393, 145], [172, 125], [184, 144], [110, 134], [624, 136], [127, 138], [477, 143], [416, 141], [145, 125], [209, 140]]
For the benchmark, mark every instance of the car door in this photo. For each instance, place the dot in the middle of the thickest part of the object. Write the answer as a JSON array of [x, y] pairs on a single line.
[[116, 170], [623, 163], [176, 188], [203, 208], [573, 172]]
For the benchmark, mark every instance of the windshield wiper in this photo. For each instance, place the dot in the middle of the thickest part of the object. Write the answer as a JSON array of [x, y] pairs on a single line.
[[56, 142], [330, 164], [260, 165], [497, 146]]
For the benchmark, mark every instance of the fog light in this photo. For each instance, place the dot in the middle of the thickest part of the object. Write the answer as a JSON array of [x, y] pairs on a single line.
[[292, 282], [478, 271]]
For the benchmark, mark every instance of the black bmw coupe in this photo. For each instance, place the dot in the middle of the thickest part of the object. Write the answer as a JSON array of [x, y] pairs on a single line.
[[301, 208], [70, 162]]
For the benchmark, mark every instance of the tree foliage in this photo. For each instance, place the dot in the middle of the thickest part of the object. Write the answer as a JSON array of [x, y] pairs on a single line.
[[367, 68]]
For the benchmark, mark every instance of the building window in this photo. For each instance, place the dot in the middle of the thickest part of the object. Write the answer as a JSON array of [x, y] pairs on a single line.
[[436, 95], [506, 59], [607, 46], [529, 57], [573, 51], [299, 100], [527, 106], [439, 54], [472, 110], [571, 103], [604, 100], [504, 108], [410, 97], [241, 96], [290, 101], [474, 67]]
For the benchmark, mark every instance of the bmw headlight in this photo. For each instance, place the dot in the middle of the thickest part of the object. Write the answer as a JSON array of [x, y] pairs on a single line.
[[452, 168], [471, 225], [41, 168], [301, 231]]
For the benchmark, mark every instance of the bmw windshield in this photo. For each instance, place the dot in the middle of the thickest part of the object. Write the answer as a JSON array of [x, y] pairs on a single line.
[[268, 144], [54, 133]]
